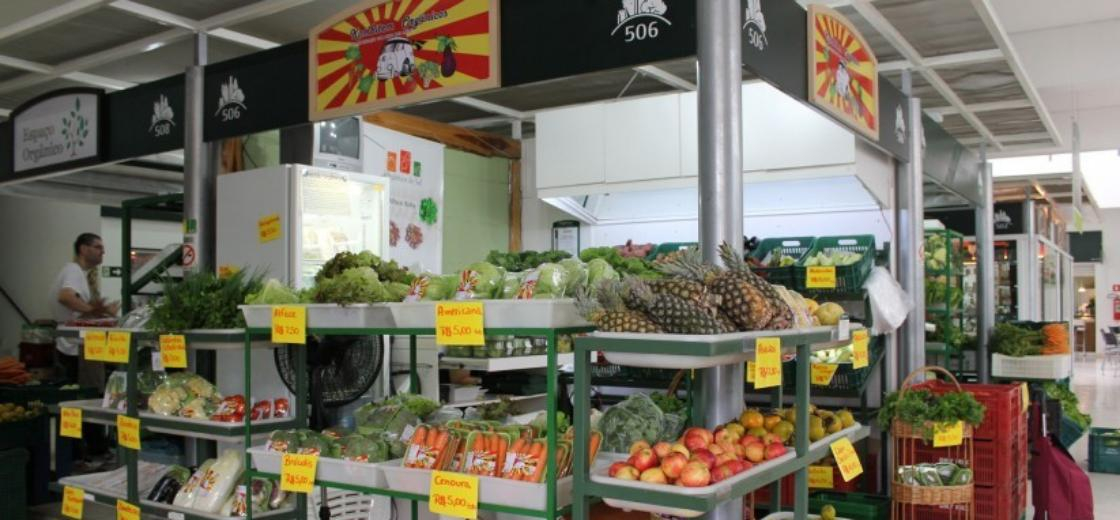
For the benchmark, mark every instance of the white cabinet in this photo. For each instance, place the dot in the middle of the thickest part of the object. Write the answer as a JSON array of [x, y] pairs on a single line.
[[642, 139], [570, 146], [689, 135]]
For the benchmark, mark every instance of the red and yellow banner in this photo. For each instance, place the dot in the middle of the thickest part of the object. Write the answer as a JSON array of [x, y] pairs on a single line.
[[392, 52], [843, 71]]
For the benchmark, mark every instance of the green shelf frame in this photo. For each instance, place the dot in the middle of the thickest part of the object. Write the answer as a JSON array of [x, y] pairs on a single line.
[[804, 342]]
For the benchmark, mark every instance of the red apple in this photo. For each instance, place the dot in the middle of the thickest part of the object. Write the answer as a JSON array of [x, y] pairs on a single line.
[[756, 452], [638, 446], [704, 456], [673, 464], [695, 442], [722, 472], [695, 474], [747, 440], [723, 435], [775, 450], [735, 465], [627, 473], [653, 476], [728, 447], [643, 459], [680, 448], [695, 430], [725, 457], [615, 467], [746, 464], [771, 438], [716, 449], [662, 449]]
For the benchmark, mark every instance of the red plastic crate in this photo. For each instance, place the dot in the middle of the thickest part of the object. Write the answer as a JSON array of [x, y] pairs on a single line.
[[1003, 403], [992, 465], [989, 503]]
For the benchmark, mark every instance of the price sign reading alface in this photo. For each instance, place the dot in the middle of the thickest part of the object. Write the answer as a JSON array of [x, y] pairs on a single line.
[[94, 342], [946, 435], [73, 500], [460, 323], [846, 459], [70, 423], [860, 356], [454, 494], [820, 277], [117, 345], [173, 351], [289, 324], [297, 472], [768, 362]]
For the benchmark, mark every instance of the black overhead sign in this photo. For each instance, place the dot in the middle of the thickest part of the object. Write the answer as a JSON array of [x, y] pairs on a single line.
[[894, 120], [550, 39], [775, 44], [949, 163], [262, 91], [147, 119], [1007, 219]]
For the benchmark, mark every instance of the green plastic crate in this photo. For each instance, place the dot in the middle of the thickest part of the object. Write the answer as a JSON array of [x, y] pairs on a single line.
[[852, 505], [1104, 451], [1070, 432], [26, 433], [13, 484], [668, 247], [794, 247], [846, 378], [849, 278]]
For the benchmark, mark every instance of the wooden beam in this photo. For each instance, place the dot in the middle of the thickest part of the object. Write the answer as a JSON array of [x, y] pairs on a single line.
[[473, 141], [515, 205]]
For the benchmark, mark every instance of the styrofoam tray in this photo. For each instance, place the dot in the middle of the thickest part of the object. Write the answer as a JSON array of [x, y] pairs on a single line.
[[498, 314], [328, 469], [491, 490], [720, 489], [646, 360], [327, 316], [1059, 366]]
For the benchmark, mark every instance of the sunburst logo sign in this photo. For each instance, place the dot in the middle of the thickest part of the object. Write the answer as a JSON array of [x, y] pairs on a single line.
[[392, 52], [843, 71]]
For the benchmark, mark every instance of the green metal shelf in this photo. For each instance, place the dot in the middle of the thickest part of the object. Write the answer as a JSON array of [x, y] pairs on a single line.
[[147, 507], [234, 432], [715, 345]]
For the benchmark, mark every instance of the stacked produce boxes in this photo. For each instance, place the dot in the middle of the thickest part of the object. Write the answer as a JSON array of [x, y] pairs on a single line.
[[1001, 457]]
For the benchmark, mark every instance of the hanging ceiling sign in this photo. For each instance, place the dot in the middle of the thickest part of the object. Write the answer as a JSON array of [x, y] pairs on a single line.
[[57, 131], [391, 52], [843, 71], [147, 119], [255, 93]]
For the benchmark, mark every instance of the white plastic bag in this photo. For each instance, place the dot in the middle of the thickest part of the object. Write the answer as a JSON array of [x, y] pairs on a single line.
[[219, 482], [889, 303]]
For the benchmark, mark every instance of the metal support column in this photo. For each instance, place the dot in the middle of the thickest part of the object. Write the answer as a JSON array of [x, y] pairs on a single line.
[[910, 224], [719, 52], [200, 172], [985, 270]]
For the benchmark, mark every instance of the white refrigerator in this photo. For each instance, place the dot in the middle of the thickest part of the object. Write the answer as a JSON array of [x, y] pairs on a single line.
[[287, 220]]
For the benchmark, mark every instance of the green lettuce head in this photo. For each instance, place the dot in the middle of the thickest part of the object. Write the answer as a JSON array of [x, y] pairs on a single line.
[[480, 280]]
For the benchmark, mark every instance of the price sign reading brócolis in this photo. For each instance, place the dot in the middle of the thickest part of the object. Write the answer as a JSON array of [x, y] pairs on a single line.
[[460, 323], [454, 494], [768, 362], [289, 324], [297, 472]]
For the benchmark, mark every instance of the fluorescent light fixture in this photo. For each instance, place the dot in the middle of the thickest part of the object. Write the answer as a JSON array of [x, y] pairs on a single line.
[[1032, 165]]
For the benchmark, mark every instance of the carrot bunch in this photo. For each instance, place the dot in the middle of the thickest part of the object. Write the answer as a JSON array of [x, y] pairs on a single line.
[[527, 460], [431, 448], [12, 372], [487, 453], [1055, 339]]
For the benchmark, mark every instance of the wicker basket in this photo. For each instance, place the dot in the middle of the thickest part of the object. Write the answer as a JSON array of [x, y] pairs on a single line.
[[932, 495], [903, 430]]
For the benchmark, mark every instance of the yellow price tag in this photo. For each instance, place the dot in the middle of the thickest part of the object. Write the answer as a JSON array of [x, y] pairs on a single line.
[[70, 423], [846, 459], [460, 323], [860, 357], [73, 500], [94, 342], [750, 371], [820, 477], [946, 435], [289, 324], [822, 373], [820, 277], [1025, 392], [126, 511], [268, 228], [297, 472], [128, 432], [454, 494], [117, 345], [173, 351], [768, 362]]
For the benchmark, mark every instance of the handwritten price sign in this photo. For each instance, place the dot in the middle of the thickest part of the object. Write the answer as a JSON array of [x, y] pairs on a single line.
[[750, 371], [846, 459], [70, 423], [128, 432], [768, 362], [94, 341], [860, 357], [117, 345], [946, 435], [820, 277], [268, 228], [126, 511], [822, 373], [460, 323], [72, 501], [297, 472], [820, 477], [454, 494], [173, 351], [289, 324]]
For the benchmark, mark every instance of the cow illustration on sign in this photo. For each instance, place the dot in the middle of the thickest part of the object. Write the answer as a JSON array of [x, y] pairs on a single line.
[[397, 59], [634, 8], [755, 24], [163, 118], [899, 125]]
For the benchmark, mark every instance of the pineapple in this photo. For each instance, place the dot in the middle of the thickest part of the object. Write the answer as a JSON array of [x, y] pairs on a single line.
[[689, 290], [740, 298], [674, 314], [783, 315], [608, 313]]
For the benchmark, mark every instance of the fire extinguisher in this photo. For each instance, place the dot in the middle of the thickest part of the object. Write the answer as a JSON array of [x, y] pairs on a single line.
[[1116, 309]]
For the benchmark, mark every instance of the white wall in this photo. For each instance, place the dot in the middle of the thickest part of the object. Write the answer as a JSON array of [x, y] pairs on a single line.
[[146, 234], [536, 216], [1109, 270], [38, 237]]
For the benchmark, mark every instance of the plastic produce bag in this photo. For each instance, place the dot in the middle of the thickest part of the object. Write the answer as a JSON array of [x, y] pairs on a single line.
[[928, 475], [946, 470], [889, 303], [671, 426], [186, 493], [219, 481], [390, 419], [961, 477], [636, 418]]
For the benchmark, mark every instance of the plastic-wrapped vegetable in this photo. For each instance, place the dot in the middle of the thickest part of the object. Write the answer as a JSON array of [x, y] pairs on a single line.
[[908, 475], [546, 281], [577, 274], [168, 486], [262, 491], [599, 269], [116, 391], [928, 476], [166, 400], [186, 494], [671, 426], [228, 506], [946, 470], [511, 284], [278, 497], [219, 481], [337, 432], [636, 418], [392, 419], [360, 448], [197, 408], [961, 477], [316, 445], [479, 281], [284, 441]]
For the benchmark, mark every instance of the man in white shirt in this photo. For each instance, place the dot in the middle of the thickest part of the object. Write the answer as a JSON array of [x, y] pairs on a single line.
[[74, 295]]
